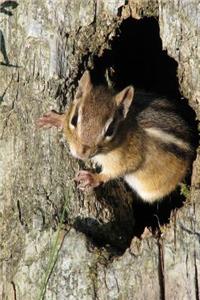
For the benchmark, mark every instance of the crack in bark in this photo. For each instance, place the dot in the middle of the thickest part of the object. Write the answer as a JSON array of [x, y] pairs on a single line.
[[5, 121], [117, 284], [196, 278], [20, 213], [14, 290], [189, 231], [161, 269], [94, 281], [175, 228], [5, 91]]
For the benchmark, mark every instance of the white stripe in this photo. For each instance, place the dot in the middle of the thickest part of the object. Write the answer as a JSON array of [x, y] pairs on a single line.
[[167, 138]]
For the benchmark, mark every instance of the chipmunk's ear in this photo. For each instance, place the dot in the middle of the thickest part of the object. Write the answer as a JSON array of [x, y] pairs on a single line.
[[85, 84], [124, 99]]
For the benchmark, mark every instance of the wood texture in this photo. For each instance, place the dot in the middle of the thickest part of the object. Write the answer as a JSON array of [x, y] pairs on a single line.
[[45, 45]]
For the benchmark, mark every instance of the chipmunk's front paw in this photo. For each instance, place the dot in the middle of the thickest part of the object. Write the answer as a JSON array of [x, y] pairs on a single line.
[[50, 119], [87, 180]]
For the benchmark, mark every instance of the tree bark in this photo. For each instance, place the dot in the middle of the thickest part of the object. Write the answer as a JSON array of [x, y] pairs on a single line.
[[57, 243]]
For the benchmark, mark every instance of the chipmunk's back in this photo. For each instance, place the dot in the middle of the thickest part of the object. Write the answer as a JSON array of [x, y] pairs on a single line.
[[167, 146], [164, 120]]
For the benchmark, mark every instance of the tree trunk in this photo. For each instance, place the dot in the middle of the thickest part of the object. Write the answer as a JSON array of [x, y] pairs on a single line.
[[56, 242]]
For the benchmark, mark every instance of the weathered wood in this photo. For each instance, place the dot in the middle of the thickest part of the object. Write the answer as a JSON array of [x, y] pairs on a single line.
[[45, 45]]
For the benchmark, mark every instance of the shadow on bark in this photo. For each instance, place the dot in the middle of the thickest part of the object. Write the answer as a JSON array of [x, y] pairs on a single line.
[[131, 216]]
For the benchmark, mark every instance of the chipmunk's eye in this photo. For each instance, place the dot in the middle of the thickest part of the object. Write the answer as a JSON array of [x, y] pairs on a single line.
[[74, 120], [110, 130]]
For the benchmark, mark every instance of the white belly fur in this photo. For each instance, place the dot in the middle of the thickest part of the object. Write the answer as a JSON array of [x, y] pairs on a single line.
[[138, 186]]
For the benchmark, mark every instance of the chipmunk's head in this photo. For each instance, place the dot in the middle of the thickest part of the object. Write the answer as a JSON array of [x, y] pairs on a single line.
[[94, 117]]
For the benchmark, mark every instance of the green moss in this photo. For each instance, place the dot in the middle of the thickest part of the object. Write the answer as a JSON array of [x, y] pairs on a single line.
[[185, 190]]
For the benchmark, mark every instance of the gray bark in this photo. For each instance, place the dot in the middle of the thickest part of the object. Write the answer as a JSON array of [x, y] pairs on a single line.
[[45, 45]]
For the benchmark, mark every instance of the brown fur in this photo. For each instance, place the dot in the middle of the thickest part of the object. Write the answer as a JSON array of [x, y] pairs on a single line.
[[150, 145]]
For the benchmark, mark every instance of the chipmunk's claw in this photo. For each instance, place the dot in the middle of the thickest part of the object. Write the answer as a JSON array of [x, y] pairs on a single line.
[[86, 180]]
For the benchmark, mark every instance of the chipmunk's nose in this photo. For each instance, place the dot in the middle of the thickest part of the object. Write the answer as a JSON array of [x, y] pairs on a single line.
[[84, 149], [82, 152]]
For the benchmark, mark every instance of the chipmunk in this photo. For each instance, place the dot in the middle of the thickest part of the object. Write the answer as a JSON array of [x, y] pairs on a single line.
[[134, 135]]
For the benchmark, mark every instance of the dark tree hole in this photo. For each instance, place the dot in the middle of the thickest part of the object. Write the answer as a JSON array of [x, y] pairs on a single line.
[[137, 58]]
